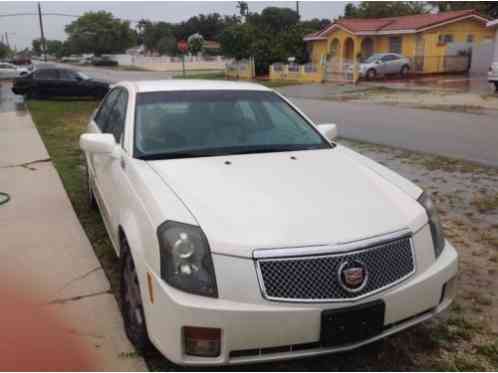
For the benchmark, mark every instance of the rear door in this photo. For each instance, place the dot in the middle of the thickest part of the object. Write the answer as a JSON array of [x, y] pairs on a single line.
[[70, 85], [45, 82]]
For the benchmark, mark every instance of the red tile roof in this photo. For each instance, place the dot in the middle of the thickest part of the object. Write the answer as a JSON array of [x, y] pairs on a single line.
[[393, 24]]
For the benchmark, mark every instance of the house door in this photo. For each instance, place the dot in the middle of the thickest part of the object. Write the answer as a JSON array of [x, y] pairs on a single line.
[[419, 54]]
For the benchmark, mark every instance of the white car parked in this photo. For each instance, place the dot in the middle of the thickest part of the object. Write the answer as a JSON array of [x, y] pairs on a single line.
[[247, 234], [11, 71]]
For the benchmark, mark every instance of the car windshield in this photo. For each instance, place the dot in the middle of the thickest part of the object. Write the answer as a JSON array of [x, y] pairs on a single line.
[[180, 124], [83, 76]]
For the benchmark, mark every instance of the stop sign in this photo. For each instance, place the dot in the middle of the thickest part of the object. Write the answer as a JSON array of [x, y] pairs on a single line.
[[182, 46]]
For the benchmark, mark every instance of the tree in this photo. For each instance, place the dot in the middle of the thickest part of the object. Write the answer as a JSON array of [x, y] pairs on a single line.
[[36, 44], [167, 45], [381, 9], [236, 41], [54, 47], [272, 36], [210, 26], [4, 50], [316, 24], [154, 32], [274, 20], [487, 8], [99, 33], [195, 43]]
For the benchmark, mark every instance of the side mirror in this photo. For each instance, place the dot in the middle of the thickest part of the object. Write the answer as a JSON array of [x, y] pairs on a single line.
[[102, 143], [328, 130]]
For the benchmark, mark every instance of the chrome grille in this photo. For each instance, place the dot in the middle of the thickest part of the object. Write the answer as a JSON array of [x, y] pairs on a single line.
[[315, 278]]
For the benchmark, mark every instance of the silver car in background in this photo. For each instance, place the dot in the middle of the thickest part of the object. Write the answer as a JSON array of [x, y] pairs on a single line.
[[381, 64], [11, 71]]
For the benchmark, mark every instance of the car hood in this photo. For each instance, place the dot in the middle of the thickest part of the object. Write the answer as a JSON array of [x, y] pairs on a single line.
[[273, 201]]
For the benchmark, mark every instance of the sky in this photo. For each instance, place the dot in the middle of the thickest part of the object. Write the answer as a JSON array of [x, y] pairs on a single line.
[[23, 29]]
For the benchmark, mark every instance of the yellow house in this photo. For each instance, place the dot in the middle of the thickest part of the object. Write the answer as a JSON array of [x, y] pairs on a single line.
[[425, 39]]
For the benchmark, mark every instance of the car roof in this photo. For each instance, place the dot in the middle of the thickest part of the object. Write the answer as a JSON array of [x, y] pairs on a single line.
[[386, 54], [193, 85]]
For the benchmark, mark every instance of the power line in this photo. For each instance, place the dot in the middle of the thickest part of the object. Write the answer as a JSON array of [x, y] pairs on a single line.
[[54, 14]]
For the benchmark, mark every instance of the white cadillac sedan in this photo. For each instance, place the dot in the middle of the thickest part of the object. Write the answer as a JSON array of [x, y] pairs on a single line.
[[247, 234]]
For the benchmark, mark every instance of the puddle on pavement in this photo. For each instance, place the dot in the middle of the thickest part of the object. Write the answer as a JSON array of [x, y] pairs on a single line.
[[9, 102]]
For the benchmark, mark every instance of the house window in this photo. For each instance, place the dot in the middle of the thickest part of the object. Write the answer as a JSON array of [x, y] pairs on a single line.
[[470, 38], [395, 45], [445, 39]]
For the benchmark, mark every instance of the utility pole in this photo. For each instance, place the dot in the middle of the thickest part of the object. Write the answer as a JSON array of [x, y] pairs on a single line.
[[44, 46], [297, 8]]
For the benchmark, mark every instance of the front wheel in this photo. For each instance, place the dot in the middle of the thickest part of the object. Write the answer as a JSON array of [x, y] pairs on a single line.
[[371, 74], [131, 302], [496, 86]]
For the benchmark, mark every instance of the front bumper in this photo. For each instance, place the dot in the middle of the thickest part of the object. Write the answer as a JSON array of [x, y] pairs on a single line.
[[257, 330]]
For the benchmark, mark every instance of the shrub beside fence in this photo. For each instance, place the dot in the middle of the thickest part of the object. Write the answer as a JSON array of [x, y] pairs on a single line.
[[243, 69], [307, 73]]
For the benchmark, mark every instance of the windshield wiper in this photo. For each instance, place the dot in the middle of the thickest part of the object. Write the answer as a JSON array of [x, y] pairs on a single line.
[[173, 155], [230, 151]]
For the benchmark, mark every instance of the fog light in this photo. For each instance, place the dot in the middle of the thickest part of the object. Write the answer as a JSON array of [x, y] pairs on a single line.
[[202, 341]]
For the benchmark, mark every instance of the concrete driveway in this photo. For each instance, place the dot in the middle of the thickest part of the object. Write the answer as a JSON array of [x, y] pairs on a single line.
[[47, 260]]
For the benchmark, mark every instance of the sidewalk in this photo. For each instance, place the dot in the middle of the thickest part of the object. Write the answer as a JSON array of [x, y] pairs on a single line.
[[44, 251]]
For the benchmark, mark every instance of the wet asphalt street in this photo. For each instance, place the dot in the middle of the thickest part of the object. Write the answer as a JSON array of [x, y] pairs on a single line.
[[472, 137]]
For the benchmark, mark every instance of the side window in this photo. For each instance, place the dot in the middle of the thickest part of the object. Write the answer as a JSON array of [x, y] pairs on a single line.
[[444, 39], [46, 74], [67, 75], [101, 118], [117, 116]]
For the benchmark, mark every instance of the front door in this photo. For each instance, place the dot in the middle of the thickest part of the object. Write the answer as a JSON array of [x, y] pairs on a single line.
[[45, 82], [98, 164], [110, 170]]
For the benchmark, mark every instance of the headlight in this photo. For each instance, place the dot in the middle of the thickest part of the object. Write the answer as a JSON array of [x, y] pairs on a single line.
[[434, 223], [186, 259]]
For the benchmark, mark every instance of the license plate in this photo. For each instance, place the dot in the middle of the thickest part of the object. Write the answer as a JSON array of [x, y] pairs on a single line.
[[352, 324]]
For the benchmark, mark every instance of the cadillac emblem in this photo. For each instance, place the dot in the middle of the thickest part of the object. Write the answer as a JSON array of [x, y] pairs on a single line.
[[352, 275]]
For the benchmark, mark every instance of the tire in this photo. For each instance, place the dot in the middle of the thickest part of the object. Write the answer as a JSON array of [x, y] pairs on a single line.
[[371, 74], [496, 87], [404, 71], [92, 202], [131, 302]]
